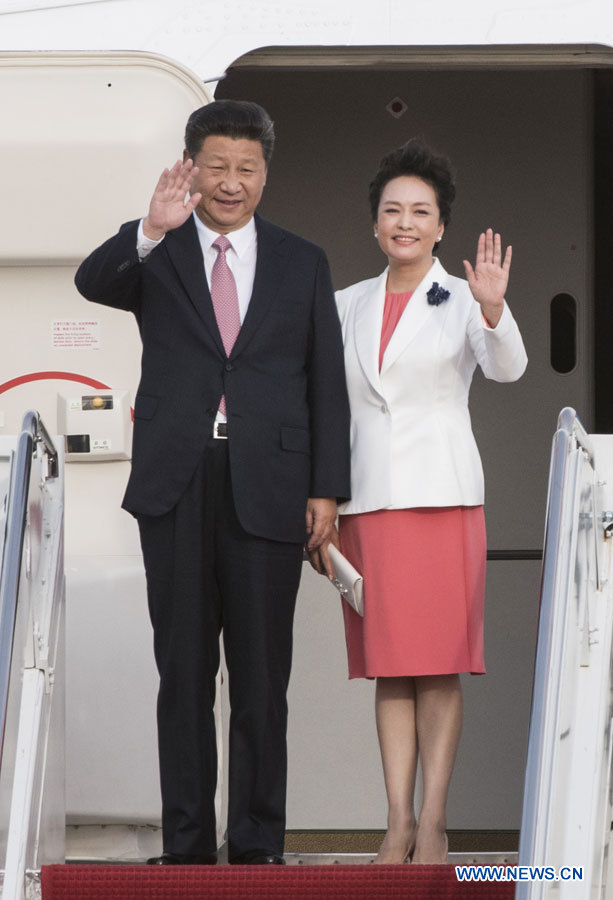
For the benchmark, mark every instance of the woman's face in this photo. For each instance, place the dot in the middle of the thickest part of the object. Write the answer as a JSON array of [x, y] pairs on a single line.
[[408, 221]]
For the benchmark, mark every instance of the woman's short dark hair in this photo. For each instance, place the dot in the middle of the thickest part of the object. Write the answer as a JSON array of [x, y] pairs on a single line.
[[416, 158], [230, 118]]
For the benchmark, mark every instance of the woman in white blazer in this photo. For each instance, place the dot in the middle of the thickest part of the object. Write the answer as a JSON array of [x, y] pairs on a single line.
[[414, 525]]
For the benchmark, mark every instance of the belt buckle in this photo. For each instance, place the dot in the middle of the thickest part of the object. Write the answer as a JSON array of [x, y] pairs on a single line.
[[220, 430]]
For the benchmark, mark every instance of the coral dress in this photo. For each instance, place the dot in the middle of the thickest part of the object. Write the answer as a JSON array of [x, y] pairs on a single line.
[[424, 580]]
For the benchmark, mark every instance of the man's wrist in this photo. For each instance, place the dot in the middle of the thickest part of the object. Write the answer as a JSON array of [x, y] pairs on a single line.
[[153, 234]]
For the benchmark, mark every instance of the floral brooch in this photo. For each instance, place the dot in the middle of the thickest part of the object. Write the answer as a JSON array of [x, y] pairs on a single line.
[[437, 294]]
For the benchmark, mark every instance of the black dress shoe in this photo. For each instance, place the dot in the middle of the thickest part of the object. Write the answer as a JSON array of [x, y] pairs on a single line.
[[183, 859], [258, 858]]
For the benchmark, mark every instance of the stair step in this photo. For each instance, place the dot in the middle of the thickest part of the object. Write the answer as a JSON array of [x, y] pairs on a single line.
[[300, 882]]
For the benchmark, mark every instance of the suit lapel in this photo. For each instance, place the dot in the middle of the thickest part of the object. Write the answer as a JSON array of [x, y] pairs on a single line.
[[417, 312], [269, 269], [367, 329], [185, 253]]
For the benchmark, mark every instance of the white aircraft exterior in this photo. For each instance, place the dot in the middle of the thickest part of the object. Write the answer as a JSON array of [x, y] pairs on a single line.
[[208, 37], [517, 93]]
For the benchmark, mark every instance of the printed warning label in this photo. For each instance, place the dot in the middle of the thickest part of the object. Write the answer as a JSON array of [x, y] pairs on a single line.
[[76, 334]]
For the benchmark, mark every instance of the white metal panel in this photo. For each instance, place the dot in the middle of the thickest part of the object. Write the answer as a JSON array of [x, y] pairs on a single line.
[[208, 38], [30, 716], [32, 806], [91, 135], [567, 797]]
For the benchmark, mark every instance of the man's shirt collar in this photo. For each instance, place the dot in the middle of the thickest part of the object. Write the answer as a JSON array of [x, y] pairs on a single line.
[[241, 239]]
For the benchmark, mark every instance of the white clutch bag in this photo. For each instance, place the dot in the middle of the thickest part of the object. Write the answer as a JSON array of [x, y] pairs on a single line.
[[347, 580]]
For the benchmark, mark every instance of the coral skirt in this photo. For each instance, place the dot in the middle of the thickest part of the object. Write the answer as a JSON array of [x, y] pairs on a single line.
[[424, 587]]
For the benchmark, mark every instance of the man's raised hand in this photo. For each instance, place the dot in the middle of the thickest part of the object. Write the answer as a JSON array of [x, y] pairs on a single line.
[[169, 207]]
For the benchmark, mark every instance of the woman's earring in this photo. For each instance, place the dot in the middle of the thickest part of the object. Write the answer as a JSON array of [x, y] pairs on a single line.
[[376, 235], [438, 238]]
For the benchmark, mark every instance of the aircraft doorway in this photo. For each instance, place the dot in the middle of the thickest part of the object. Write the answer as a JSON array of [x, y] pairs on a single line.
[[522, 141]]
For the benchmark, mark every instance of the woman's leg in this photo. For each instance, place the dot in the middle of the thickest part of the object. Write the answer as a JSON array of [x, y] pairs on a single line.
[[438, 717], [395, 714]]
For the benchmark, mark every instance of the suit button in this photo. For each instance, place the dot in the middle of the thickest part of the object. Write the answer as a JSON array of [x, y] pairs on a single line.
[[229, 367]]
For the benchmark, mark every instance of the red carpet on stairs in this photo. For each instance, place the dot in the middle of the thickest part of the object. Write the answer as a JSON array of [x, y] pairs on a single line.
[[333, 882]]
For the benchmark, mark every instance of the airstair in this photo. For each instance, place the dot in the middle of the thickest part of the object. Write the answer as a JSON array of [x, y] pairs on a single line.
[[566, 825], [566, 821], [32, 819]]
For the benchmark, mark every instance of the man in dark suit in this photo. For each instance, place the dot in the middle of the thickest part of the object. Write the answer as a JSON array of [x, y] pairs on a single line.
[[241, 449]]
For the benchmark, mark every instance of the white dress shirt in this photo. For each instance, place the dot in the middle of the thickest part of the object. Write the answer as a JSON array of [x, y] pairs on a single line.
[[241, 259]]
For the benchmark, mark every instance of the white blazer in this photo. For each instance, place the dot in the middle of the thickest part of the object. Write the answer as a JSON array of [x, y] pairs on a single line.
[[411, 439]]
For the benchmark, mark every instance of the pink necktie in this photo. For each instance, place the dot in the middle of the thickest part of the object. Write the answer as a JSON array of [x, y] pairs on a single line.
[[225, 300]]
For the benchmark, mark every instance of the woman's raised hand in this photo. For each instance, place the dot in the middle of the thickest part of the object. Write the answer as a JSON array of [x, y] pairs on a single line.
[[169, 208], [488, 280]]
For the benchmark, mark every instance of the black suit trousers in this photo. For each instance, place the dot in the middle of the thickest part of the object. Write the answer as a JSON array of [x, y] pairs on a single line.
[[206, 574]]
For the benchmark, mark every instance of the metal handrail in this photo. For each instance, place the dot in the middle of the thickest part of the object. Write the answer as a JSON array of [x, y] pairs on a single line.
[[569, 421], [33, 432], [570, 436], [548, 575], [34, 425]]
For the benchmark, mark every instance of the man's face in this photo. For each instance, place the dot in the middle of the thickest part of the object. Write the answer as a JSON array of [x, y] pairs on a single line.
[[231, 179]]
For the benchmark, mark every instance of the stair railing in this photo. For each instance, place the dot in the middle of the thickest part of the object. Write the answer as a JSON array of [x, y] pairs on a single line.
[[33, 436], [567, 804], [32, 803]]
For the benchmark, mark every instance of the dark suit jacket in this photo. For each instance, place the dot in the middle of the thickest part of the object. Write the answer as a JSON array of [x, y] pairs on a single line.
[[284, 381]]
